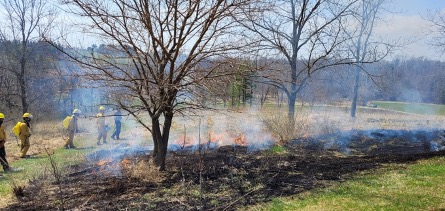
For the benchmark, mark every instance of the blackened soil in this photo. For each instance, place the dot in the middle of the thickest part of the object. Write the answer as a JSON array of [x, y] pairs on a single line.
[[228, 178]]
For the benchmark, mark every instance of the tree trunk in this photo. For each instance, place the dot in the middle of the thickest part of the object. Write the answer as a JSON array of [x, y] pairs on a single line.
[[22, 74], [23, 93], [156, 135], [355, 92], [160, 139], [22, 80], [291, 108]]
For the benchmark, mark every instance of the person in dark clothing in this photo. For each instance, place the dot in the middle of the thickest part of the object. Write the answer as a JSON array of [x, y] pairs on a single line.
[[117, 125], [3, 160]]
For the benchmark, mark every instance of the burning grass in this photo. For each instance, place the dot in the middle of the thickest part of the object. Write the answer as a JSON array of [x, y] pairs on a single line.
[[315, 121], [232, 173]]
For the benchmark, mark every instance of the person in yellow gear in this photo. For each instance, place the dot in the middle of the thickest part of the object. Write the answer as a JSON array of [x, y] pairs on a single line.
[[101, 126], [72, 128], [3, 160], [25, 133]]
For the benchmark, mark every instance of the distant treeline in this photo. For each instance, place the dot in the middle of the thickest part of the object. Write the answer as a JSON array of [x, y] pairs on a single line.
[[53, 85]]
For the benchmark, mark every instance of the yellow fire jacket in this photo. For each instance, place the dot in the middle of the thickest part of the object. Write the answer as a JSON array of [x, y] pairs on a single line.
[[73, 124], [100, 121], [25, 131], [2, 135]]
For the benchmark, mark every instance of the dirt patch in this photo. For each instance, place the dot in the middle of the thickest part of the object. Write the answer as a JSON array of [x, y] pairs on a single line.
[[225, 178]]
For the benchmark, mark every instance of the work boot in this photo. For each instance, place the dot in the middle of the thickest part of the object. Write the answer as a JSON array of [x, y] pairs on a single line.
[[25, 156], [98, 143]]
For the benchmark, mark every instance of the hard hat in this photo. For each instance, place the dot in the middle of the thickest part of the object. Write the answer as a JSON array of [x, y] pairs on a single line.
[[76, 111], [101, 108], [2, 116], [27, 115]]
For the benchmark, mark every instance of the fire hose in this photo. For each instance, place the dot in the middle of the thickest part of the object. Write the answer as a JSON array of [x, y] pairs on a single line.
[[1, 159]]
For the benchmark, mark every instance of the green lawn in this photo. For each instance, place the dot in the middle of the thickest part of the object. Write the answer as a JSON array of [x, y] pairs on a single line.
[[418, 186], [37, 166], [415, 108]]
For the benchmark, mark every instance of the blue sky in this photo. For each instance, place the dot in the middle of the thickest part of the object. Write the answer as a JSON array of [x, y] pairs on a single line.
[[415, 7], [408, 22]]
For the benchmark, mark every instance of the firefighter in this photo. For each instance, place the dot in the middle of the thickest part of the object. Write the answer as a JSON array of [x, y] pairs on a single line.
[[25, 133], [3, 160], [102, 127], [117, 124], [72, 128]]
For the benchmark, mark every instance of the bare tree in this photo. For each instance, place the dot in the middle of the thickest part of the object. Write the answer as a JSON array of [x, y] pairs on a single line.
[[25, 22], [158, 50], [305, 32], [362, 47], [221, 87], [437, 30]]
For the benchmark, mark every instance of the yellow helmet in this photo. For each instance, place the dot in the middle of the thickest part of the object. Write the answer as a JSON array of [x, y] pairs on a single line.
[[27, 115], [76, 111], [101, 108], [2, 116]]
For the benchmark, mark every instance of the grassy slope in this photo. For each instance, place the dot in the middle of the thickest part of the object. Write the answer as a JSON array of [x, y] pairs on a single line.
[[416, 108], [418, 186]]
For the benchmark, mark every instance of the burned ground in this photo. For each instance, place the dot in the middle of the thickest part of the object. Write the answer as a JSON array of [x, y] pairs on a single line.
[[227, 177]]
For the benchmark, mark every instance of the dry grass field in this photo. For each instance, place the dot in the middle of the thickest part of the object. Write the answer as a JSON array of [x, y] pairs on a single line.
[[238, 134]]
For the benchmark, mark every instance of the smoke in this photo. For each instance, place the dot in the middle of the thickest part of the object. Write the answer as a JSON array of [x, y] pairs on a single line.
[[214, 129], [411, 95], [134, 140], [378, 141]]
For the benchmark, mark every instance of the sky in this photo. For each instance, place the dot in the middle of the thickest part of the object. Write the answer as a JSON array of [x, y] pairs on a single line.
[[409, 23]]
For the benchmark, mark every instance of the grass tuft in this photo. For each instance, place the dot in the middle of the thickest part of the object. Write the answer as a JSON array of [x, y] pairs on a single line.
[[145, 170], [276, 149], [17, 190]]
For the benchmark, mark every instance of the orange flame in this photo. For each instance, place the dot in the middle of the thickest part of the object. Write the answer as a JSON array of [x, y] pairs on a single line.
[[126, 163], [220, 139], [241, 140], [103, 162], [184, 141], [216, 138]]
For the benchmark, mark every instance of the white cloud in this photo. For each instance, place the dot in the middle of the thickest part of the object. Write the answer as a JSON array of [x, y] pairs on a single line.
[[414, 31]]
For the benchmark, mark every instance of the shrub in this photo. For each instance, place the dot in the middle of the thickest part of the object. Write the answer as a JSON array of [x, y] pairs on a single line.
[[278, 125]]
